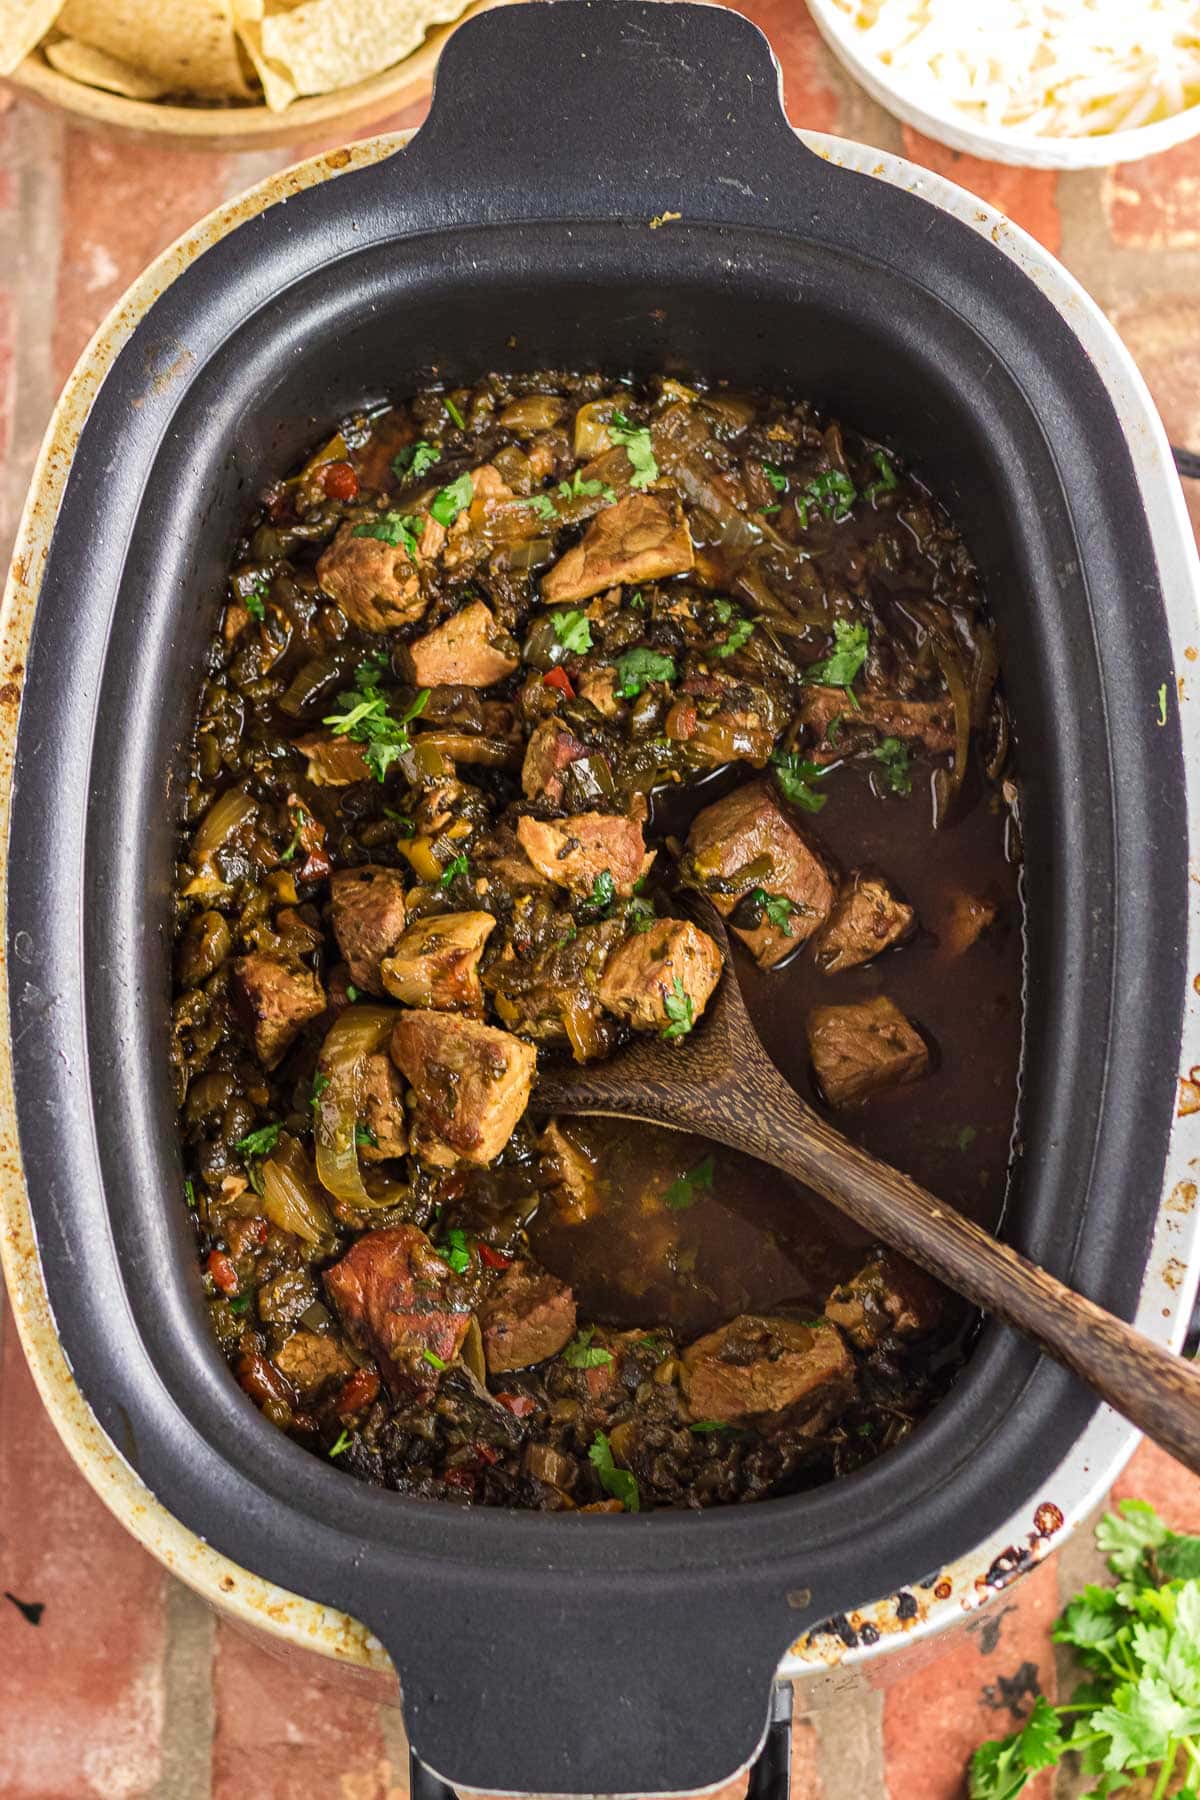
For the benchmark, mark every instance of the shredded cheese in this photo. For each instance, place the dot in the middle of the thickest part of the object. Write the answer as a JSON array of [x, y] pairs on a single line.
[[1057, 68]]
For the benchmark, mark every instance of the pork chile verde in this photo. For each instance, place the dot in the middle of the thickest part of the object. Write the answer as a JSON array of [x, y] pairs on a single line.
[[499, 669]]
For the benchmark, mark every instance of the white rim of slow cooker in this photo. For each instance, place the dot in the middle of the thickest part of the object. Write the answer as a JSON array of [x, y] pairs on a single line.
[[1169, 1284]]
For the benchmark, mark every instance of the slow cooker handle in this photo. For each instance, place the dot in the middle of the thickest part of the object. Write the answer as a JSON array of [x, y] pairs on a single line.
[[770, 1773], [663, 114]]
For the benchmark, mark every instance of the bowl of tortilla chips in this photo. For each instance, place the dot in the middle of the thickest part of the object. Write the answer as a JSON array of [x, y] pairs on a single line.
[[227, 74]]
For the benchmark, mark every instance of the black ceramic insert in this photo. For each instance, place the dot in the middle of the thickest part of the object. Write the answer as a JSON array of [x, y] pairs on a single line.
[[592, 1654]]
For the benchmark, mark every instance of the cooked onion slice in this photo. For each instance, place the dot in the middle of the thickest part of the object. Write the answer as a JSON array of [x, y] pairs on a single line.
[[358, 1033]]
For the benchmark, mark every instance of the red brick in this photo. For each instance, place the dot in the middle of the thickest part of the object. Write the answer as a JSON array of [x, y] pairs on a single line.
[[121, 205], [285, 1731], [1026, 196], [80, 1693], [808, 93], [1152, 1475], [1162, 333], [934, 1718], [1155, 205]]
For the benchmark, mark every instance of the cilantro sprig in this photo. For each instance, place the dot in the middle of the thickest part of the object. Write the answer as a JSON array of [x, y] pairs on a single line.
[[636, 668], [401, 530], [366, 719], [1138, 1710], [572, 631], [454, 498], [579, 489], [260, 1142], [739, 634], [896, 762], [635, 441], [680, 1012], [851, 641], [685, 1190], [581, 1353], [777, 909], [454, 1250], [794, 777], [621, 1484], [415, 460]]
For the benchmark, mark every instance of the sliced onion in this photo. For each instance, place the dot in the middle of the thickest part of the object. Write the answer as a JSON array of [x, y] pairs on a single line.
[[591, 429], [227, 814], [357, 1033], [290, 1198]]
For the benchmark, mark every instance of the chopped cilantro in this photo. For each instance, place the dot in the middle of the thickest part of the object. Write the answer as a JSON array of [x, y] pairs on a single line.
[[619, 1483], [833, 494], [240, 1303], [301, 822], [723, 610], [434, 1360], [449, 501], [635, 441], [256, 601], [740, 634], [850, 644], [455, 414], [776, 477], [680, 1012], [415, 460], [351, 992], [794, 776], [637, 667], [685, 1190], [706, 1427], [319, 1084], [888, 479], [368, 721], [579, 1353], [189, 1192], [777, 908], [833, 730], [636, 600], [573, 631], [579, 489], [896, 764], [363, 1135], [260, 1142], [403, 529], [639, 914], [1162, 704], [454, 1251], [604, 890], [343, 1443], [458, 865], [768, 512], [541, 504]]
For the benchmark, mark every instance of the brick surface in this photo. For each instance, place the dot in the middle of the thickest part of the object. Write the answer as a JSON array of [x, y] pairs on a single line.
[[934, 1719], [1155, 205], [80, 1691], [121, 205], [283, 1735], [1026, 196]]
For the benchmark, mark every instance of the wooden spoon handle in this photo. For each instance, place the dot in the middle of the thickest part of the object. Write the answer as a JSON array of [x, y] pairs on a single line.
[[1151, 1386]]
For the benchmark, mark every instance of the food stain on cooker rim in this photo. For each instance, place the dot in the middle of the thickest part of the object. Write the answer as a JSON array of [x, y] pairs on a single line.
[[492, 664]]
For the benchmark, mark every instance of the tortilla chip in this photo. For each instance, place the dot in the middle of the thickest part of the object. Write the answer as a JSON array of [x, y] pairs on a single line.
[[187, 45], [23, 23], [320, 45], [83, 62]]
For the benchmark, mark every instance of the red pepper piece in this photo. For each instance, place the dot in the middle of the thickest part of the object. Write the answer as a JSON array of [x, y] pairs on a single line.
[[359, 1391], [339, 481], [558, 678], [220, 1267], [495, 1259], [519, 1405]]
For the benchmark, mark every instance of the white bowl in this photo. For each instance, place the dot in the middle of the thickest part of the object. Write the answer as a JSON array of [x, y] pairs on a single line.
[[1027, 149]]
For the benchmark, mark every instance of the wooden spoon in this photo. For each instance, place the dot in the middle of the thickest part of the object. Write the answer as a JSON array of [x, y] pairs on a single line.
[[721, 1083]]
